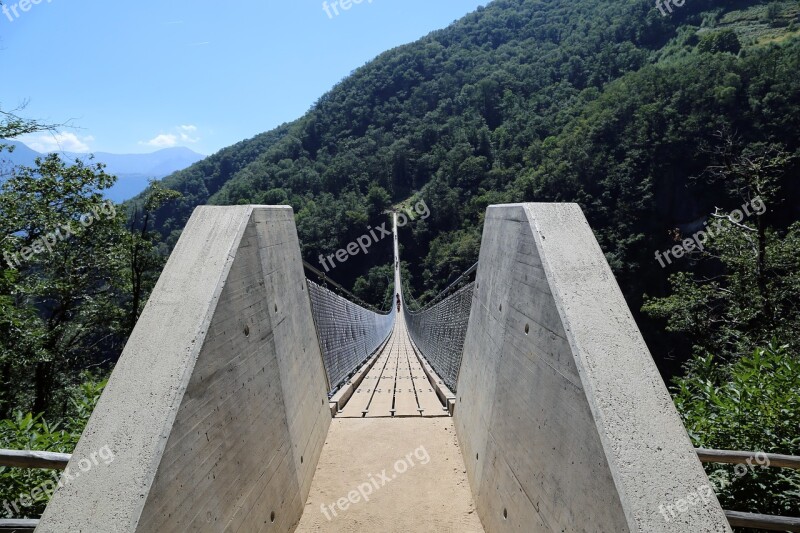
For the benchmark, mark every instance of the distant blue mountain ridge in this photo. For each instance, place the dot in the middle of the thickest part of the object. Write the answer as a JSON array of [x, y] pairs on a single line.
[[133, 171]]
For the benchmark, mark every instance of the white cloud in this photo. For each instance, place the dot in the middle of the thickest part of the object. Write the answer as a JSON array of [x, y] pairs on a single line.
[[58, 142], [165, 140], [168, 140], [185, 131]]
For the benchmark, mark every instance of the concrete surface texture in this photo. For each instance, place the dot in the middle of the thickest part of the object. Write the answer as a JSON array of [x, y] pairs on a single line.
[[410, 470], [562, 417], [217, 411]]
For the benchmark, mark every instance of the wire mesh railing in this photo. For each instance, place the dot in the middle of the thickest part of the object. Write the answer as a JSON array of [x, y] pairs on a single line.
[[439, 332], [348, 333]]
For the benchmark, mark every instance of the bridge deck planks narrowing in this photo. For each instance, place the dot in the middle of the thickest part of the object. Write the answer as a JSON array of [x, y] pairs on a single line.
[[396, 385]]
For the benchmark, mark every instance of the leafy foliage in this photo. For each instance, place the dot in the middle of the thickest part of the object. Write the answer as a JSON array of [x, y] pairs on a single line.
[[721, 41], [743, 295], [29, 432], [72, 279], [60, 241], [12, 125], [746, 286], [730, 312], [749, 404]]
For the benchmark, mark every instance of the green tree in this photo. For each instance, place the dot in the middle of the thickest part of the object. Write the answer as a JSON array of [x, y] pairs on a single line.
[[748, 290], [61, 249], [748, 294], [378, 201], [720, 41], [772, 12], [377, 286], [13, 319], [145, 260], [749, 404]]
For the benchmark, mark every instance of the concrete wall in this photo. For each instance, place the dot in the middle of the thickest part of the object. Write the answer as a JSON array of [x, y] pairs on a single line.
[[217, 411], [562, 417]]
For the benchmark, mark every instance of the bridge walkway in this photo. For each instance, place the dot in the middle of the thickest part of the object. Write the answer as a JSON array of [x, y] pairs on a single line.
[[391, 475], [396, 385], [391, 460]]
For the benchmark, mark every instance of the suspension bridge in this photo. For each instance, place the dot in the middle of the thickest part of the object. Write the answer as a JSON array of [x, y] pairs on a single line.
[[250, 398]]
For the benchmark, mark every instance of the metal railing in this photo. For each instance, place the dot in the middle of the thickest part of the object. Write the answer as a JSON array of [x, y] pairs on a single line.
[[18, 526], [439, 332], [29, 459], [754, 520], [732, 457], [34, 459], [348, 333], [327, 282]]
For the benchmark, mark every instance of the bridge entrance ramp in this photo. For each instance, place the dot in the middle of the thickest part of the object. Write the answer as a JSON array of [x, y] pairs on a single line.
[[410, 469]]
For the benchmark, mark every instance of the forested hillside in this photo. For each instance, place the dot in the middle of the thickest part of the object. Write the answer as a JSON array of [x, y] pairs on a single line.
[[608, 104], [677, 130]]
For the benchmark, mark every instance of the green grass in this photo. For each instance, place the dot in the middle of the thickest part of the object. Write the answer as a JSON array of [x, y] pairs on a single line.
[[755, 29]]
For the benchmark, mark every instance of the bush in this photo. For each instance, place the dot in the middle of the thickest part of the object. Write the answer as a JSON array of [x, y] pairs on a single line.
[[721, 41], [29, 432], [753, 404]]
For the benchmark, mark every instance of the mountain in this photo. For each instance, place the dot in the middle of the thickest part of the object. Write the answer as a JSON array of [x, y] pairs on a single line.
[[133, 171], [22, 155], [609, 104]]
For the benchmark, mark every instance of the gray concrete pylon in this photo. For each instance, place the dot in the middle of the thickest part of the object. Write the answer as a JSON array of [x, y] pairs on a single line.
[[217, 411], [563, 419]]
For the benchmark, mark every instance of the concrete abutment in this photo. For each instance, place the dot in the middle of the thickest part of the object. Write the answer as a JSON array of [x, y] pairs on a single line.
[[217, 412], [561, 415]]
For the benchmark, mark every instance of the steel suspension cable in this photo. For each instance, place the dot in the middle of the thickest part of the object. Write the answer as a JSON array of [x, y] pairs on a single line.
[[348, 333], [439, 330]]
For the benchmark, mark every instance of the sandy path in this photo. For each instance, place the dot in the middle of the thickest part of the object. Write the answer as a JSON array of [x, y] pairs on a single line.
[[423, 487]]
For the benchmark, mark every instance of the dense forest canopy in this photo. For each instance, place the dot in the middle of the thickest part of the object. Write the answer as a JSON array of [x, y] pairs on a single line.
[[609, 104]]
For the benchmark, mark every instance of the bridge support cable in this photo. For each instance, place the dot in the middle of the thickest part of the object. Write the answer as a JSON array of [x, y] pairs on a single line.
[[348, 333], [439, 332]]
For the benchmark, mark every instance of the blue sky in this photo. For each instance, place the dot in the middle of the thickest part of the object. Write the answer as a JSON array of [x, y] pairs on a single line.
[[138, 76]]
